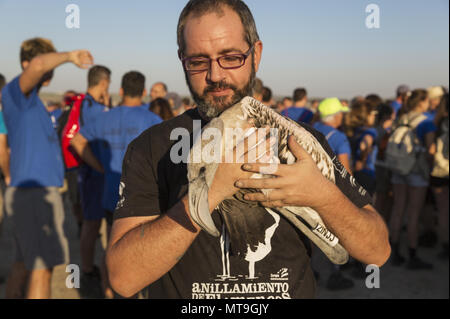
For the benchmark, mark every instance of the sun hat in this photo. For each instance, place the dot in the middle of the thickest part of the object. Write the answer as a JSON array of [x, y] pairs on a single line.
[[435, 92]]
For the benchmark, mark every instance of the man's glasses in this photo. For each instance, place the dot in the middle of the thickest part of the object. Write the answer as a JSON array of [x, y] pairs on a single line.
[[227, 62]]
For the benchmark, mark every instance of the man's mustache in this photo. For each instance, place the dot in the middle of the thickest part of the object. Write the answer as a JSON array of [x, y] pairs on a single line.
[[218, 86]]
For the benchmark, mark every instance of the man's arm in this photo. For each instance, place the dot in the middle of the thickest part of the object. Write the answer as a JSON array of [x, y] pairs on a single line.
[[345, 161], [142, 249], [81, 147], [4, 158], [361, 231], [44, 63]]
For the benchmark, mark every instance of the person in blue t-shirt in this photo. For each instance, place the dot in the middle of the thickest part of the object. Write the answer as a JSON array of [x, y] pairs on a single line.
[[4, 153], [115, 130], [4, 157], [37, 170], [299, 112], [331, 116], [435, 94], [402, 96], [363, 141], [4, 148], [410, 190], [91, 182]]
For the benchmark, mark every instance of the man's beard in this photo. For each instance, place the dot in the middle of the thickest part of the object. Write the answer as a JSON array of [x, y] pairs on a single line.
[[219, 104]]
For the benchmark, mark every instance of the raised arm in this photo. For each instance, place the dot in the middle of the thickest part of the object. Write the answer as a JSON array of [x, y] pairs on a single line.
[[42, 64]]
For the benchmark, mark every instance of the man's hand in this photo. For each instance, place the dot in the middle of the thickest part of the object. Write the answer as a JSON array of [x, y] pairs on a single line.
[[299, 184], [254, 148], [361, 231], [105, 98], [81, 58]]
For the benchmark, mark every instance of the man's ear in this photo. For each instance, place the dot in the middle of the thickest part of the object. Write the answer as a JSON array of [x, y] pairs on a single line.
[[25, 64], [258, 54], [144, 94], [121, 92], [105, 84]]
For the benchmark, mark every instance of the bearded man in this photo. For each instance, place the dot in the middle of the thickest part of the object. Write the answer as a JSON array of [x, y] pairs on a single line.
[[154, 241]]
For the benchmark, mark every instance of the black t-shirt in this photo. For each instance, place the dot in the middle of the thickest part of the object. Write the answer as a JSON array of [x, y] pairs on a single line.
[[267, 259]]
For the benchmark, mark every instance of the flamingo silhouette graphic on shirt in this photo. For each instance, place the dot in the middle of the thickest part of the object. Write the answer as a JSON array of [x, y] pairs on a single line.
[[263, 249], [252, 256]]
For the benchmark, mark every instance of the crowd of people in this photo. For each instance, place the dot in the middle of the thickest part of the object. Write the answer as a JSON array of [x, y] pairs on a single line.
[[362, 134], [84, 140]]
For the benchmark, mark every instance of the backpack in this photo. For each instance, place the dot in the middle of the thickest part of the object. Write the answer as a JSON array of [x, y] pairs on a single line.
[[70, 129], [441, 157], [404, 147]]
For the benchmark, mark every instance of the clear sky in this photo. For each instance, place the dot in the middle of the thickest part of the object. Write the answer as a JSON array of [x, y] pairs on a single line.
[[322, 45]]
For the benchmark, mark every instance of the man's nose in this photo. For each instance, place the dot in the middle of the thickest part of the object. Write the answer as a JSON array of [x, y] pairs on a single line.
[[215, 73]]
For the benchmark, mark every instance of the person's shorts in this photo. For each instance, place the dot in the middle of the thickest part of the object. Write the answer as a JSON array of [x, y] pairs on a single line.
[[72, 185], [36, 217], [382, 179], [415, 180], [91, 194], [438, 182]]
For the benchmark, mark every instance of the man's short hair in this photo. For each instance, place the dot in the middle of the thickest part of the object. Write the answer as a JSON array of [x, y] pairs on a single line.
[[33, 47], [258, 87], [299, 94], [133, 84], [163, 85], [198, 8], [267, 94], [186, 101], [98, 73], [2, 81]]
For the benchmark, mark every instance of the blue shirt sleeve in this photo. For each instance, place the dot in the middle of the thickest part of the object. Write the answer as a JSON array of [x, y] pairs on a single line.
[[343, 145], [13, 92], [157, 120], [3, 129], [424, 128], [90, 129]]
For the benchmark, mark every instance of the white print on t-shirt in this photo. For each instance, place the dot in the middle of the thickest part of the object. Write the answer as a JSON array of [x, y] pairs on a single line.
[[339, 168], [263, 249], [276, 288], [225, 248], [343, 172], [121, 196]]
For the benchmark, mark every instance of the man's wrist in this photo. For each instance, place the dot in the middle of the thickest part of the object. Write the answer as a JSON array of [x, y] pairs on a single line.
[[185, 205], [329, 197], [68, 56]]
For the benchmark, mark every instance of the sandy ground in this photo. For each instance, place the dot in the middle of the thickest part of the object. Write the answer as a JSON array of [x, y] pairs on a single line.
[[395, 282]]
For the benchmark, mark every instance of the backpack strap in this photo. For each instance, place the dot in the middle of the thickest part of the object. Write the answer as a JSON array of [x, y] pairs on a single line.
[[416, 120]]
